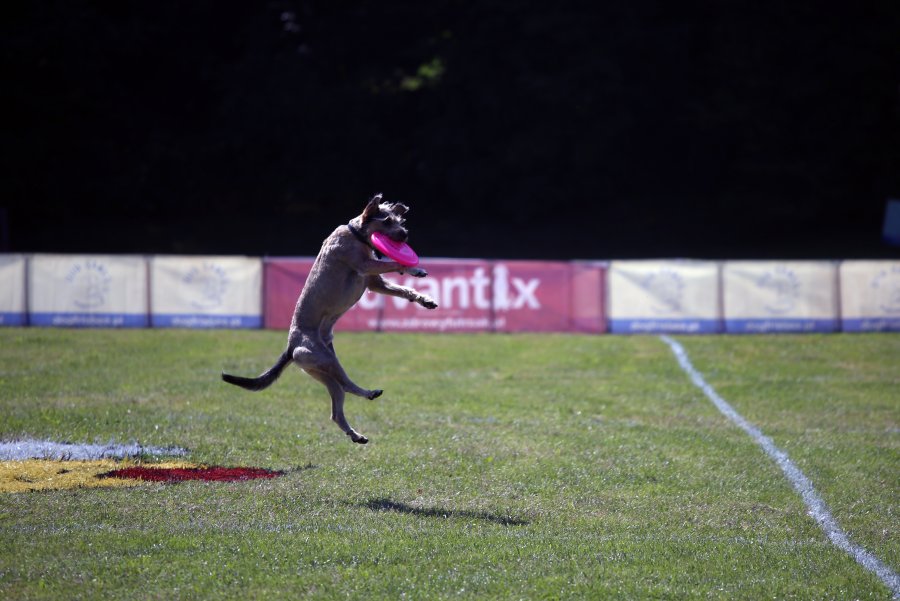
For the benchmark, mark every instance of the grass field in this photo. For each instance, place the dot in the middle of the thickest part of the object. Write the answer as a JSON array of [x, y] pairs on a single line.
[[535, 467]]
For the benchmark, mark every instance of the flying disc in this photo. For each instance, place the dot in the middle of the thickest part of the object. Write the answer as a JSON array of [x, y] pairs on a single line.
[[398, 251]]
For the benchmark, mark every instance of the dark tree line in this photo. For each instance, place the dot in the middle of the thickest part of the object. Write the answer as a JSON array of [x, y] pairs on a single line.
[[512, 128]]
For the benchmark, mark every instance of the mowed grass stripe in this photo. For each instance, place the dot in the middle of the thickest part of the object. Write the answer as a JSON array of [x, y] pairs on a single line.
[[818, 510], [498, 467]]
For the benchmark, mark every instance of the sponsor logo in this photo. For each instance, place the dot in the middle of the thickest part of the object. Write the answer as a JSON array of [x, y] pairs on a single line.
[[498, 291], [887, 286], [90, 282], [666, 287], [207, 286], [783, 287]]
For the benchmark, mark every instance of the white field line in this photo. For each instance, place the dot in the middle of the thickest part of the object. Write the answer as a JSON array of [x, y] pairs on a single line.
[[818, 510], [20, 450]]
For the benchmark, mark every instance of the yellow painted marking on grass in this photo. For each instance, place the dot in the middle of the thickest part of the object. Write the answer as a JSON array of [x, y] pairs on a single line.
[[46, 474]]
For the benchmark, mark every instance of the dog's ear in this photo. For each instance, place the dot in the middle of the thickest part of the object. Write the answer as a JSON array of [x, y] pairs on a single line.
[[372, 208], [399, 209]]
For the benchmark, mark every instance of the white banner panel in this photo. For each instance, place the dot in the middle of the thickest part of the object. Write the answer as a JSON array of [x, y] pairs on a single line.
[[870, 296], [780, 296], [12, 290], [102, 291], [663, 296], [206, 292]]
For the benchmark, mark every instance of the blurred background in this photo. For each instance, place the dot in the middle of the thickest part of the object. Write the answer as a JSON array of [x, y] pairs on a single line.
[[550, 130]]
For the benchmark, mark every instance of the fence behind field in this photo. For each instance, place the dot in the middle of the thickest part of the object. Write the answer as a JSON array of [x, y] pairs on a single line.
[[475, 295]]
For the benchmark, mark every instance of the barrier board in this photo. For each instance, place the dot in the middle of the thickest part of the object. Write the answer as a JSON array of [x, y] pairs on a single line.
[[284, 279], [206, 292], [589, 297], [533, 296], [462, 289], [780, 296], [473, 296], [870, 296], [664, 296], [88, 291], [12, 291]]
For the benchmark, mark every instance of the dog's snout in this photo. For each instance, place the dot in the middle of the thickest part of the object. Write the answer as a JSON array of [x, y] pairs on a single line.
[[401, 236]]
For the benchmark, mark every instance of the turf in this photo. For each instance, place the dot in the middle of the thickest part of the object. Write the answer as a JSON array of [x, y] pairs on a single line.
[[545, 466]]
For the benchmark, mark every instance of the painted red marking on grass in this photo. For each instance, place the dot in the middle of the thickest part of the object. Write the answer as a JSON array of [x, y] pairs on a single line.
[[180, 474]]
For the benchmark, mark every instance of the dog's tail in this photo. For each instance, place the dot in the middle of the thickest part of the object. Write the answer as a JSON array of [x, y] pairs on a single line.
[[263, 381]]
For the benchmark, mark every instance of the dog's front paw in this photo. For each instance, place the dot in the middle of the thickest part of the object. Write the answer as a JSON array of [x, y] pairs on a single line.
[[428, 302], [417, 272]]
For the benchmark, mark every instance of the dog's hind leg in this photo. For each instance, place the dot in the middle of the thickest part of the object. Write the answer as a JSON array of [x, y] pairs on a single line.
[[335, 369], [341, 376], [336, 390]]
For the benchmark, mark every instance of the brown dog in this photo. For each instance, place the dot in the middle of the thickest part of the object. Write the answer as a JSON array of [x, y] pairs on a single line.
[[345, 267]]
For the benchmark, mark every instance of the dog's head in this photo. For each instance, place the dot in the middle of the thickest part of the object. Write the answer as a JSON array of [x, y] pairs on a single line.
[[384, 217]]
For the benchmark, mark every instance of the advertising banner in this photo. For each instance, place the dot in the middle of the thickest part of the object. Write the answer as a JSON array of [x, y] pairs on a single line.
[[676, 296], [462, 289], [481, 296], [473, 296], [870, 296], [533, 296], [206, 292], [589, 297], [100, 291], [12, 291], [284, 279], [780, 296]]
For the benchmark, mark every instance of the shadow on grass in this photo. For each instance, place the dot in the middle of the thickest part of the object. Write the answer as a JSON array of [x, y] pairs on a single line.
[[440, 512]]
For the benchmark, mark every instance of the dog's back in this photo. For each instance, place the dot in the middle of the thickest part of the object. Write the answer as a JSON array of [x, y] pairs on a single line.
[[333, 285]]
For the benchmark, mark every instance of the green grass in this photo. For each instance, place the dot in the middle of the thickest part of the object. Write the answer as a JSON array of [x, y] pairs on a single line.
[[507, 467]]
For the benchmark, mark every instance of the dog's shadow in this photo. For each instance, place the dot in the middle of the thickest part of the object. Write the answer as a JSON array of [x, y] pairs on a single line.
[[440, 512]]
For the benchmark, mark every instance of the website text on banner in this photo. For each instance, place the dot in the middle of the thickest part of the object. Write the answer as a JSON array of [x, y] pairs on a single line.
[[474, 296], [870, 296], [676, 297], [780, 296], [100, 291], [13, 311], [206, 292]]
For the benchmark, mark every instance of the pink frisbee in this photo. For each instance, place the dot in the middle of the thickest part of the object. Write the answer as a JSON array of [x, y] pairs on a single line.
[[398, 251]]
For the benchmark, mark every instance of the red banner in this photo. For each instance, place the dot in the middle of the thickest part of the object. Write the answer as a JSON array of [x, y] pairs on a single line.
[[473, 296], [589, 297], [461, 288], [283, 280]]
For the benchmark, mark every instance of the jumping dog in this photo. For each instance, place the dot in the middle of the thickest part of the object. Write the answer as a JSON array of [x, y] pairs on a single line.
[[346, 266]]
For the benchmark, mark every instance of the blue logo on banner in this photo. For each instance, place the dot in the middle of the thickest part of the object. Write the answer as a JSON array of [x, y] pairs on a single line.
[[784, 287], [782, 290], [887, 286], [666, 287], [208, 285], [89, 282]]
